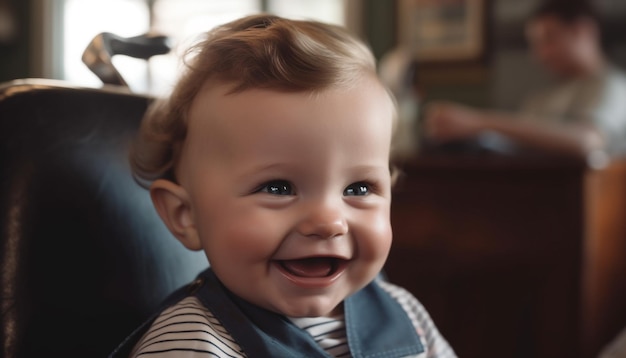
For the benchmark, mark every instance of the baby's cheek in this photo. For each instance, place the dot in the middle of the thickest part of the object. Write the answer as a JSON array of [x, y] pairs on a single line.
[[379, 236], [374, 243], [253, 240]]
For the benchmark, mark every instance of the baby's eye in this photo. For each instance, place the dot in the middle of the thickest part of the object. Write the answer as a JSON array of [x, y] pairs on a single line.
[[277, 187], [357, 189]]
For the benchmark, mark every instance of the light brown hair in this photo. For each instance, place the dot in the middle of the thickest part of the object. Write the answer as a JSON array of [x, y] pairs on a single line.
[[260, 51]]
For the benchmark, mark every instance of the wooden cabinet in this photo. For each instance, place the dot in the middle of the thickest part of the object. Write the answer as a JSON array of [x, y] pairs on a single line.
[[506, 253], [604, 275]]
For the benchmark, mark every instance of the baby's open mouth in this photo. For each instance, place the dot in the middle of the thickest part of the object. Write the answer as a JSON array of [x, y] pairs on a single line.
[[312, 266]]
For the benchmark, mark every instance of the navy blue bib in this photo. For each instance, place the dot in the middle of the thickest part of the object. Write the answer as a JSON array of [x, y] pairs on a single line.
[[376, 324]]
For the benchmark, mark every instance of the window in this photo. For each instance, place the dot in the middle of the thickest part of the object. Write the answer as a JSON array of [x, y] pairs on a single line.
[[76, 22]]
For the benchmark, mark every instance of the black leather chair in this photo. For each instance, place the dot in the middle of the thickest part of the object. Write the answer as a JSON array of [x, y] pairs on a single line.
[[85, 258]]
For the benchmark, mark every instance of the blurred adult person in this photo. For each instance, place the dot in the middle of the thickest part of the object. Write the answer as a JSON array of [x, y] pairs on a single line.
[[584, 115]]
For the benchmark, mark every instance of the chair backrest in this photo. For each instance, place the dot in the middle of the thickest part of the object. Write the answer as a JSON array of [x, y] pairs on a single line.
[[85, 258]]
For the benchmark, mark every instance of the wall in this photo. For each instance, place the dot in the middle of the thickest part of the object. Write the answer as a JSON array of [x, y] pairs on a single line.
[[15, 55], [379, 25]]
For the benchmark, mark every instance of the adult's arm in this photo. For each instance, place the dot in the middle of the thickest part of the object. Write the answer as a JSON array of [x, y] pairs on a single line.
[[446, 122]]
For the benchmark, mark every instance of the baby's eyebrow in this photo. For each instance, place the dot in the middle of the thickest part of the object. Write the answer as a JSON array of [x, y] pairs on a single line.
[[369, 169], [269, 167]]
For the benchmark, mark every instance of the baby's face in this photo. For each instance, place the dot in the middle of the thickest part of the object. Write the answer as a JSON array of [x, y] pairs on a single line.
[[290, 192]]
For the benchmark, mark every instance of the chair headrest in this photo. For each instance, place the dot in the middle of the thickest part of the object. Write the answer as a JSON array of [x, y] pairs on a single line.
[[84, 256]]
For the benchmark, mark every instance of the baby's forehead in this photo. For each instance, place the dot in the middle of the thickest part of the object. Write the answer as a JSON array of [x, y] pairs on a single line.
[[218, 111], [217, 93]]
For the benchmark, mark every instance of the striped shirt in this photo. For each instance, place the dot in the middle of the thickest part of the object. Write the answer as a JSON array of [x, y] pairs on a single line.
[[188, 329], [328, 332]]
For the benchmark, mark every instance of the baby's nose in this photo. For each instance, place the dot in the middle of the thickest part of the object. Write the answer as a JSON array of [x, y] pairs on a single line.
[[323, 221]]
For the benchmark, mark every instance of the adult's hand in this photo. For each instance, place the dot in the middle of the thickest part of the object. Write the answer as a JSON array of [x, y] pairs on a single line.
[[445, 121]]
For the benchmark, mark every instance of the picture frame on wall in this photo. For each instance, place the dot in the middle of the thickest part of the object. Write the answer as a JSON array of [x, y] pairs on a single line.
[[443, 30]]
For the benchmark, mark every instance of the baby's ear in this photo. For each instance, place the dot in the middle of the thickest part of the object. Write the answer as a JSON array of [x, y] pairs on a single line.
[[172, 203]]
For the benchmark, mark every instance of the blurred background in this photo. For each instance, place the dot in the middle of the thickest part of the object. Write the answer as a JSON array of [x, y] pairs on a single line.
[[45, 38], [513, 255]]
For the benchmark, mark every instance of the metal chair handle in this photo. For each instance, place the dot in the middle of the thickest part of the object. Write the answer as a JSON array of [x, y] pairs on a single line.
[[97, 56]]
